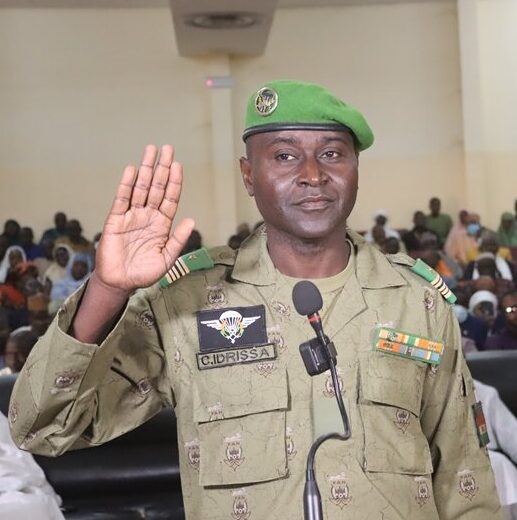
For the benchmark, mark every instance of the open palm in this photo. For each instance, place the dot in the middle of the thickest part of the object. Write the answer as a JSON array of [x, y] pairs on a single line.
[[137, 246]]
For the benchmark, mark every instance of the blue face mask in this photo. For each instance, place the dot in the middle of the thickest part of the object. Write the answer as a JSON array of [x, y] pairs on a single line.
[[461, 313], [473, 228]]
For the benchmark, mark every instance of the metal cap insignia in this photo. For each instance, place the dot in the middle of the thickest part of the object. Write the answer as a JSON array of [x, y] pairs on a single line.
[[266, 101]]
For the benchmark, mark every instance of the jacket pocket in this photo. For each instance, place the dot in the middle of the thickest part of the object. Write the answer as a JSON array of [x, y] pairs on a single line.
[[240, 417], [391, 393]]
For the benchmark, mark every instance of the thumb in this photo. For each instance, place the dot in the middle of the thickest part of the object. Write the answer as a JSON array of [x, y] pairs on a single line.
[[177, 240]]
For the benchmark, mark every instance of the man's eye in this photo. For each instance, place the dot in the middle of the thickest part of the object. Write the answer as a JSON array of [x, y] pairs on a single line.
[[285, 157], [331, 154]]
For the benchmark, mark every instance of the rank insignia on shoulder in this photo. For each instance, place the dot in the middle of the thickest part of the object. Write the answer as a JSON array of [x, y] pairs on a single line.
[[403, 344], [185, 264], [481, 429], [430, 275]]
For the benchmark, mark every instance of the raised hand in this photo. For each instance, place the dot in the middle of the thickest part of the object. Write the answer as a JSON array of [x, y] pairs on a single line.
[[138, 244]]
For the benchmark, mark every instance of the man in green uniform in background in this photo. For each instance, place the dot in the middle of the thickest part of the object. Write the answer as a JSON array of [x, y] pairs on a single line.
[[221, 344], [439, 223]]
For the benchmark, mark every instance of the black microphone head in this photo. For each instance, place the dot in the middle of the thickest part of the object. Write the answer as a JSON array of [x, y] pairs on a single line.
[[307, 298]]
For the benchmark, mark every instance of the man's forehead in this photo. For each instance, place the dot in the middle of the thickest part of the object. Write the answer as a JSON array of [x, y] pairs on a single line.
[[302, 136]]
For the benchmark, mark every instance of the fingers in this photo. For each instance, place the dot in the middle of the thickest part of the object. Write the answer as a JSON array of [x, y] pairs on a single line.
[[144, 177], [160, 177], [125, 188], [172, 191], [177, 240]]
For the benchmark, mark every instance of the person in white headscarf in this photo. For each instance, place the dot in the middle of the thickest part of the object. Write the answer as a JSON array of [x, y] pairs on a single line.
[[483, 304], [381, 219], [25, 493], [13, 256]]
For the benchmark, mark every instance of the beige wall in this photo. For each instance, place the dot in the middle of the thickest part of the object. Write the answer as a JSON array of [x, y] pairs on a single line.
[[82, 91]]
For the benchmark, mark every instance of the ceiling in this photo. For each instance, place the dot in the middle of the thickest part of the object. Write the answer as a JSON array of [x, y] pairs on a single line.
[[195, 41]]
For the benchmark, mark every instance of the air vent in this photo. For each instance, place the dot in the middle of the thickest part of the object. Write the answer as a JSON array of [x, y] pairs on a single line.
[[223, 20]]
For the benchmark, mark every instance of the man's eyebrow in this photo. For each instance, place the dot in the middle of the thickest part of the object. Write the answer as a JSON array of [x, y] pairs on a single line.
[[330, 138], [284, 140]]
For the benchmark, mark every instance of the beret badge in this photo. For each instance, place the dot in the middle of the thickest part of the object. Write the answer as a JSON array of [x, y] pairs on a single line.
[[266, 101]]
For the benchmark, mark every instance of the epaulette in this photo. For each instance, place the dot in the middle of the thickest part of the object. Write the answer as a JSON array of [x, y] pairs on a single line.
[[185, 264], [420, 268]]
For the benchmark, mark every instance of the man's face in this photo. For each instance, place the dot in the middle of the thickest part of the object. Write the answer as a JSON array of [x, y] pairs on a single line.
[[434, 206], [419, 219], [74, 229], [60, 221], [79, 270], [13, 358], [304, 182], [62, 256], [26, 236], [509, 305]]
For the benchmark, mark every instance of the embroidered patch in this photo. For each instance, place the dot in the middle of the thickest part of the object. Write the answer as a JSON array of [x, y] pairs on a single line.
[[193, 453], [265, 368], [283, 310], [215, 412], [391, 341], [240, 508], [145, 320], [467, 485], [194, 261], [402, 419], [13, 413], [235, 356], [215, 297], [274, 336], [480, 422], [66, 379], [423, 493], [234, 327], [328, 390], [339, 490], [289, 444], [429, 300], [233, 451]]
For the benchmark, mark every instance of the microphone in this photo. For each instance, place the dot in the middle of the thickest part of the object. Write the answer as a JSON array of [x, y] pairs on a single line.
[[319, 355], [308, 302]]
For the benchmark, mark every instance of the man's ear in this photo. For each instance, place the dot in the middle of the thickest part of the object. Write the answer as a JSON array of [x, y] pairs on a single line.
[[247, 176]]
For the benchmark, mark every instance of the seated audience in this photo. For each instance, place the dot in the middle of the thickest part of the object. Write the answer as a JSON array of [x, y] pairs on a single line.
[[11, 232], [74, 238], [460, 242], [506, 339], [507, 232], [438, 223], [472, 327], [57, 270], [483, 305], [4, 334], [58, 231], [25, 493], [44, 262], [13, 256], [17, 350], [39, 317], [489, 248], [413, 239], [381, 221], [31, 249], [391, 246], [77, 273]]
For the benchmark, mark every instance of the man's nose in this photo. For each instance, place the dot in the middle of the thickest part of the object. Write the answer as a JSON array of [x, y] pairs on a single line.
[[311, 173]]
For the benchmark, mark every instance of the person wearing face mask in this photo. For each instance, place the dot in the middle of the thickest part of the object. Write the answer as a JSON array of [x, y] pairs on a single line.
[[461, 244], [472, 327]]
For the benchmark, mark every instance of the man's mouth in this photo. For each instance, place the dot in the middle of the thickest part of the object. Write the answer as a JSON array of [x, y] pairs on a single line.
[[314, 202]]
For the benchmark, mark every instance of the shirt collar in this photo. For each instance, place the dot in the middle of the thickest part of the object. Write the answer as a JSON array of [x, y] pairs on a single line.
[[253, 264]]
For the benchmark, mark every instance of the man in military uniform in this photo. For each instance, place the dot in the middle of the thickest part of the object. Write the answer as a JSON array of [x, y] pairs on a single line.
[[221, 344]]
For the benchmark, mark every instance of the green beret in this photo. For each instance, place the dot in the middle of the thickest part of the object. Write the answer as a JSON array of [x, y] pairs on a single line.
[[507, 216], [291, 105]]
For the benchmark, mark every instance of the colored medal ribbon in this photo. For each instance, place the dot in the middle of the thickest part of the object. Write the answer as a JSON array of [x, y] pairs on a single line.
[[391, 341]]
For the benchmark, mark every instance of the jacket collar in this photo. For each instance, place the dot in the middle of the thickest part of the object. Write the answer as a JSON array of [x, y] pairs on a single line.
[[253, 264]]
